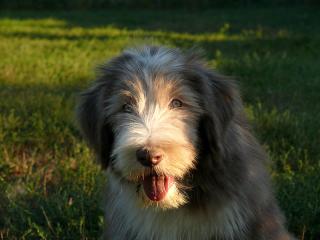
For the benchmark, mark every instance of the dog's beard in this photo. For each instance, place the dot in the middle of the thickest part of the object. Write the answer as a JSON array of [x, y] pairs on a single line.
[[154, 187]]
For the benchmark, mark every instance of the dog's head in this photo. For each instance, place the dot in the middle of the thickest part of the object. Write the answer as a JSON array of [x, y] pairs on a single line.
[[155, 116]]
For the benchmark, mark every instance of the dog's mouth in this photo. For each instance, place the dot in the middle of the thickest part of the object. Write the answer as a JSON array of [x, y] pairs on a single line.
[[156, 186]]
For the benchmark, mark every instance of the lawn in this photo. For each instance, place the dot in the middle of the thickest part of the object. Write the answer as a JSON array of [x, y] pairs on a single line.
[[50, 187]]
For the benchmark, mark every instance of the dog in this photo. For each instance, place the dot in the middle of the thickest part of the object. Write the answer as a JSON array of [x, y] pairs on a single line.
[[180, 159]]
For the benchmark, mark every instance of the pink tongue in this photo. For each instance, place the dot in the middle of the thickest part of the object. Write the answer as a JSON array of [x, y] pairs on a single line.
[[156, 187]]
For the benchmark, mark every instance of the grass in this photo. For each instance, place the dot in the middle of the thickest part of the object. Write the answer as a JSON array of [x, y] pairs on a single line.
[[50, 187]]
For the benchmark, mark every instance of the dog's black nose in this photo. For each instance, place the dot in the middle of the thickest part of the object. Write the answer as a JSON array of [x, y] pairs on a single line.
[[148, 158]]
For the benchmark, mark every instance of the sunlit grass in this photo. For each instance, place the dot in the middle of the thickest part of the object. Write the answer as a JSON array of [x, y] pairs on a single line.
[[50, 187]]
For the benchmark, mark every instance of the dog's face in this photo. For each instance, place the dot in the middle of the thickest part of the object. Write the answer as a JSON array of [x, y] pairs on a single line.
[[154, 119], [149, 118]]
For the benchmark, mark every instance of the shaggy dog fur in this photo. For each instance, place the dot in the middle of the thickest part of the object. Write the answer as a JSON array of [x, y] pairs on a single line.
[[180, 159]]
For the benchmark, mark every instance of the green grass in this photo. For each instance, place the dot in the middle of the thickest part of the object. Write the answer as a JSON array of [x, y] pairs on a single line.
[[49, 186]]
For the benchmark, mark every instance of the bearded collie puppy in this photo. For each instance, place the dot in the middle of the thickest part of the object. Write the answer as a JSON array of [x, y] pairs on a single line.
[[179, 155]]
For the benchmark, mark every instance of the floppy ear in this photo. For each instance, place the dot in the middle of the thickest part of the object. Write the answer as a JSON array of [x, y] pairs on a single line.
[[226, 99], [221, 104], [221, 99], [94, 127]]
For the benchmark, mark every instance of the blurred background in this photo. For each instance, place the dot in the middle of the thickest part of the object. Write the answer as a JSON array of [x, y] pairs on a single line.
[[50, 187]]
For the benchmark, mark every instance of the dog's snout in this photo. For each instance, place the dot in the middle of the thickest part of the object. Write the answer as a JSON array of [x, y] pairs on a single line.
[[143, 156], [148, 158]]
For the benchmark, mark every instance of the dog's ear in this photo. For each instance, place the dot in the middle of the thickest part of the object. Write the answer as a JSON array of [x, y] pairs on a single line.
[[225, 102], [221, 99], [94, 127], [221, 103]]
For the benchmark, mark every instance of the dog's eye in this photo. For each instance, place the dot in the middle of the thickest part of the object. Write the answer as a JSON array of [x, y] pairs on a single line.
[[175, 103], [127, 108]]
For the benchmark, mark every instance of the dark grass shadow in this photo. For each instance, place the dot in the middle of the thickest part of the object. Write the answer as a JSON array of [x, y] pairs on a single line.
[[293, 18]]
